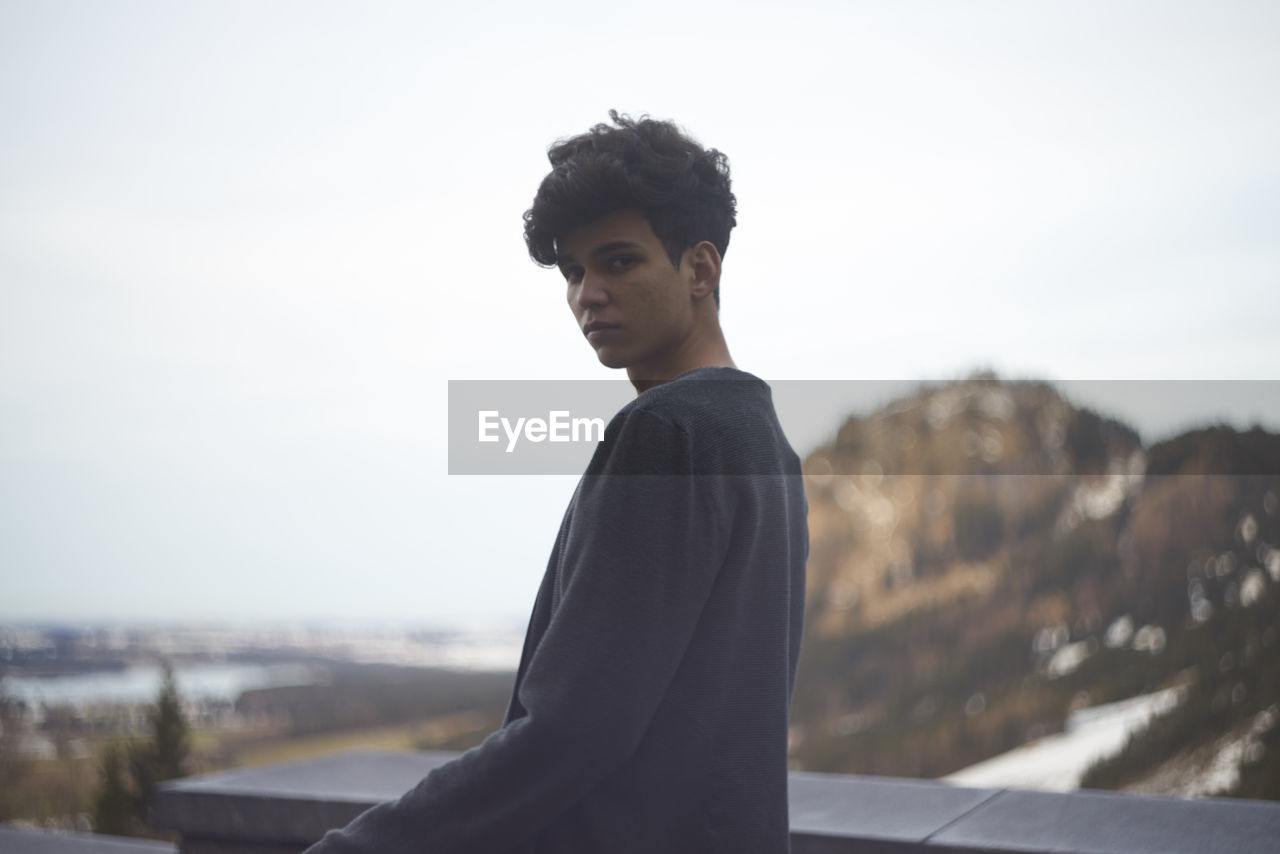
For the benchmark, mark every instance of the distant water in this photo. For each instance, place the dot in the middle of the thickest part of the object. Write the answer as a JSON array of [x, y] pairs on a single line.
[[141, 684]]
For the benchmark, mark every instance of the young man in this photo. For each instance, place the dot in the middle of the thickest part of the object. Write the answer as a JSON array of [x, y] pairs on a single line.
[[651, 704]]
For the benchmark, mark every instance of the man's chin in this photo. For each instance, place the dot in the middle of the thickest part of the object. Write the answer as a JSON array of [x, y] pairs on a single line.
[[610, 359]]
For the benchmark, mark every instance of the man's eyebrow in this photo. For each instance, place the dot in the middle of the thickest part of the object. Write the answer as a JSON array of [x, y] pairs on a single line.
[[603, 249], [615, 245]]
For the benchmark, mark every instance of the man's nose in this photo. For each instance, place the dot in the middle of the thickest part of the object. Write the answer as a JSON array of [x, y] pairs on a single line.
[[591, 291]]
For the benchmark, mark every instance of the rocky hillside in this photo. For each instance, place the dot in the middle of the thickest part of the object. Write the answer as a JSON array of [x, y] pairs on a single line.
[[987, 557]]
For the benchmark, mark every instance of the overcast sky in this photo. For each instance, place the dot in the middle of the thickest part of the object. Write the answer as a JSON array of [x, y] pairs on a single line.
[[244, 247]]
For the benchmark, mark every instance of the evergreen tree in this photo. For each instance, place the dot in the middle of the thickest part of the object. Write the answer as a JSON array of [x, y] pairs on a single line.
[[169, 737], [129, 772], [115, 804], [164, 755], [15, 767]]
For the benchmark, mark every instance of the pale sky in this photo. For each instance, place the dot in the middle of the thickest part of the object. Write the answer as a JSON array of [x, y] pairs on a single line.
[[244, 246]]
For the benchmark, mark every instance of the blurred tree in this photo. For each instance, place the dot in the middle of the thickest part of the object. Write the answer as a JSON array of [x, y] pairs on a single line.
[[116, 803], [60, 723], [169, 737], [129, 773], [15, 765], [979, 525]]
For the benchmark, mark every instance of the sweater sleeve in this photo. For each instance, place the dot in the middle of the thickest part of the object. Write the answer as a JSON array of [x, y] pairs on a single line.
[[636, 567]]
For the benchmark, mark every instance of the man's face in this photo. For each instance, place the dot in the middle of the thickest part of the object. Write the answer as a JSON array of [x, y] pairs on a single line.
[[635, 308]]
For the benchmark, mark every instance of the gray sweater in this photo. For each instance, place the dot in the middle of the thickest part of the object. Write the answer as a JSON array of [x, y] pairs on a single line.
[[651, 704]]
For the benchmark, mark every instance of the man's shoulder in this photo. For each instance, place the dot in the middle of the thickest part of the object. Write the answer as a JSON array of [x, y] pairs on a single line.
[[723, 417], [705, 397]]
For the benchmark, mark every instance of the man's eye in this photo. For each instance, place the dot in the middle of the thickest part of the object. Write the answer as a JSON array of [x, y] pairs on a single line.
[[622, 262], [572, 274]]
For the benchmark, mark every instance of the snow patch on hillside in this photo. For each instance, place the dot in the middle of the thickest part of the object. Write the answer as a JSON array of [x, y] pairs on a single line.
[[1057, 763]]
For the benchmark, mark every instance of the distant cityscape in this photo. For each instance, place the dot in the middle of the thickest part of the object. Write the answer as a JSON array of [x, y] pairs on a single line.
[[71, 683], [58, 649]]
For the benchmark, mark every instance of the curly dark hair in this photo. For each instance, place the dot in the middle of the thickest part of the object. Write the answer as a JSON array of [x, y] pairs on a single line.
[[649, 165]]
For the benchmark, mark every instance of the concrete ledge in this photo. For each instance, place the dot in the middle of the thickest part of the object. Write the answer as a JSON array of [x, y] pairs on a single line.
[[291, 804], [280, 809], [842, 812], [1112, 823], [14, 840]]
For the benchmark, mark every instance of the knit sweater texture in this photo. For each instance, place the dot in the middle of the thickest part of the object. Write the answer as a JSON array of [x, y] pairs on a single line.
[[652, 699]]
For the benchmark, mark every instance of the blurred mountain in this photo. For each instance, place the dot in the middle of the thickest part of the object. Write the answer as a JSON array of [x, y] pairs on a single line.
[[987, 558]]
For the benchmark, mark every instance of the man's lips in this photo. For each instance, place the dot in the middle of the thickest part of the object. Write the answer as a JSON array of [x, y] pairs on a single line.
[[596, 329]]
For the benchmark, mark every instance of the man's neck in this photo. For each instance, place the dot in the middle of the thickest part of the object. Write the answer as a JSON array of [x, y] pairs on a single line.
[[713, 353]]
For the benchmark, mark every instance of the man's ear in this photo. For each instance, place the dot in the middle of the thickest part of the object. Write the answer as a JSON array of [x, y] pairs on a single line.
[[704, 260]]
